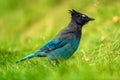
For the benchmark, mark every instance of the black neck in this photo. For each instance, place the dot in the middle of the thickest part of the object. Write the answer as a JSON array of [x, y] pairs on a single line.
[[74, 25], [75, 28]]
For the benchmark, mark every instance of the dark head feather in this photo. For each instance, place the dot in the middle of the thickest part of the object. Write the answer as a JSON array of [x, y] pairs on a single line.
[[73, 12], [79, 18]]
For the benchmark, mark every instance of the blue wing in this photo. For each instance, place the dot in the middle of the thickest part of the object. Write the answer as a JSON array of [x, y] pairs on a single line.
[[52, 45]]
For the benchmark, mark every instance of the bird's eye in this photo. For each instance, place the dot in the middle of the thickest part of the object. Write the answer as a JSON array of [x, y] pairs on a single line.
[[83, 15]]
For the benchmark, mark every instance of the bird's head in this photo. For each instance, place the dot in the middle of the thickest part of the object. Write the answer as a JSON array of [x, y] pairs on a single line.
[[80, 18]]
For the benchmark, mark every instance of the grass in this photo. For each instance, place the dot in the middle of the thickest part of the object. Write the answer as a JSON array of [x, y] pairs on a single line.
[[27, 25]]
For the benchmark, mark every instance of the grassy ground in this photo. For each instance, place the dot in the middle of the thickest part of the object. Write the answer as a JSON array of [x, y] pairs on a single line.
[[27, 25]]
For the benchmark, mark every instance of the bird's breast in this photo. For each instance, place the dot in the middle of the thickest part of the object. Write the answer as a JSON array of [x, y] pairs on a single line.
[[75, 43]]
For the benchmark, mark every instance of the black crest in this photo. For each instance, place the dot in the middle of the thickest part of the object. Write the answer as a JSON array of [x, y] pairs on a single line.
[[73, 12]]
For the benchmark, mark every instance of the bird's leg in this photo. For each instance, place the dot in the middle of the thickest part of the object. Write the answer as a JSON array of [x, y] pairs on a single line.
[[54, 62], [57, 62]]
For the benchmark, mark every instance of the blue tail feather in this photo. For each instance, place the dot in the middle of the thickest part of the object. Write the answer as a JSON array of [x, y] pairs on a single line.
[[26, 57], [29, 56]]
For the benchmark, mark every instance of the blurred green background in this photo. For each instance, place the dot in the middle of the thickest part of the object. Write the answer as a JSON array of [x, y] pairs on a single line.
[[25, 25]]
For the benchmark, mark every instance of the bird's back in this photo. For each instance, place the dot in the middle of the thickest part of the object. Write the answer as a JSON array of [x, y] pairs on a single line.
[[72, 31]]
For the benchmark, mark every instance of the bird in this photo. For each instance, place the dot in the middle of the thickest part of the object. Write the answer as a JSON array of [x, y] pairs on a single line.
[[66, 42]]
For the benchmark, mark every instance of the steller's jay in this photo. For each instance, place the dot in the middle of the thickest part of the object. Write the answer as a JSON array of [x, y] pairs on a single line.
[[66, 41]]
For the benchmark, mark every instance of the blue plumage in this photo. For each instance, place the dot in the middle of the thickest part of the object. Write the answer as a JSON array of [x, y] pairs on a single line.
[[66, 42]]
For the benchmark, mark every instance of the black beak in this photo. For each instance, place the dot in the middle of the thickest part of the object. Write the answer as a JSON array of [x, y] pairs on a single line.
[[91, 19]]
